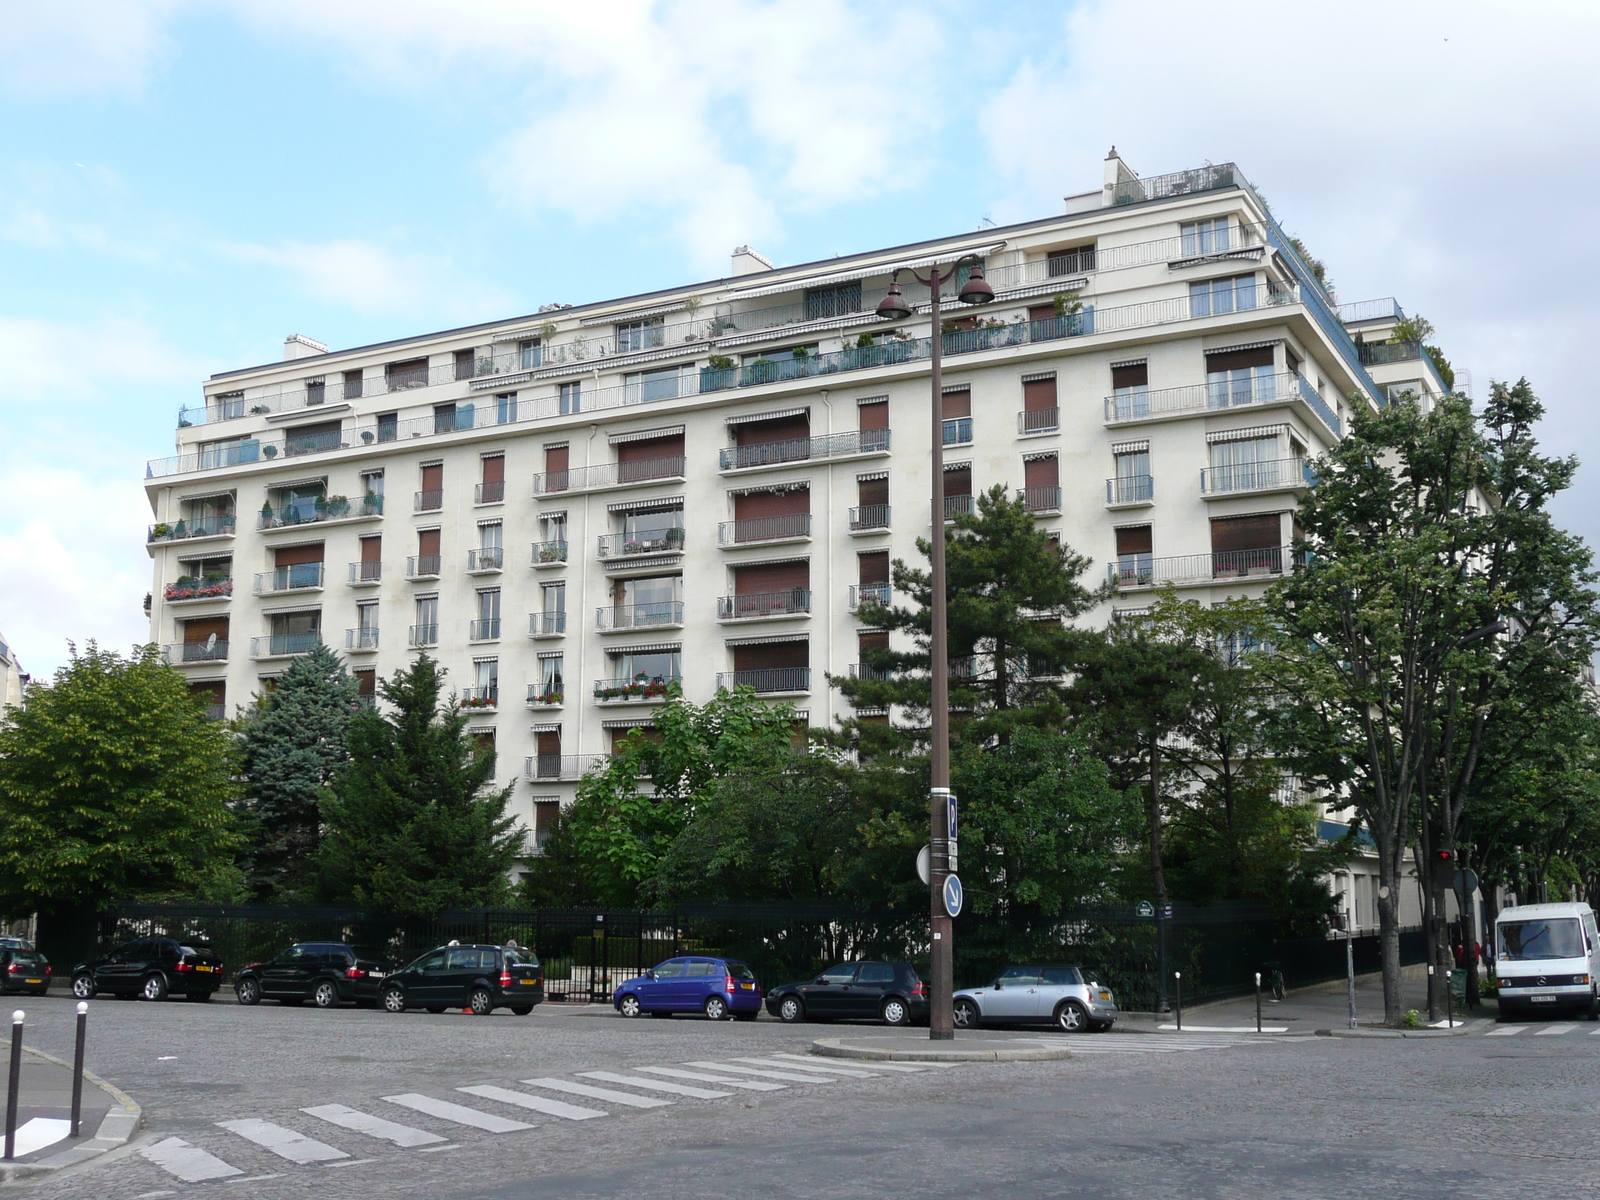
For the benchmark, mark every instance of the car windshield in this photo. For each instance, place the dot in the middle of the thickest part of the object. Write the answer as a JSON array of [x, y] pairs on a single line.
[[1550, 937], [27, 956], [738, 970], [521, 958]]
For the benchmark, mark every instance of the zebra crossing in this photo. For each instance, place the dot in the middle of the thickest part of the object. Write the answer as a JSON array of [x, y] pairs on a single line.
[[1554, 1030]]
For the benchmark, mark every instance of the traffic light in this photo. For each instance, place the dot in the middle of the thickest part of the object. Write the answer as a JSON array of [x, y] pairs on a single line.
[[1444, 869]]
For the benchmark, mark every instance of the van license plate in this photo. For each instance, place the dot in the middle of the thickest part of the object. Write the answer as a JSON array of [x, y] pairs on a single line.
[[1544, 999]]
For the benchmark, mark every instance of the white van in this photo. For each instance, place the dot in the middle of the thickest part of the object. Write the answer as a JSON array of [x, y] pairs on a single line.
[[1547, 960]]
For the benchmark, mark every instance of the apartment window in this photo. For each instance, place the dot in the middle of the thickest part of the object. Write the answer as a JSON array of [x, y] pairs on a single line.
[[771, 513], [489, 612], [311, 439], [427, 561], [1206, 237], [486, 679], [874, 416], [366, 625], [490, 534], [370, 568], [1134, 562], [1214, 297], [836, 301], [505, 408], [552, 686], [296, 503], [773, 666], [388, 425], [641, 335], [296, 567], [400, 376], [366, 685], [957, 416], [1131, 482], [426, 630], [372, 489], [1240, 377], [667, 383], [1130, 390], [1041, 482], [658, 665], [653, 600], [650, 458], [447, 418], [295, 633], [872, 502], [464, 361], [957, 489], [228, 405], [1039, 406], [1244, 464], [546, 813], [352, 386], [555, 468], [1072, 261], [316, 391], [554, 528], [571, 398], [553, 608], [530, 354], [1250, 545], [205, 639], [492, 485]]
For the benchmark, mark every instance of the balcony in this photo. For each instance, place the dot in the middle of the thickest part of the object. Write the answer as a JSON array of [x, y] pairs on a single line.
[[490, 493], [1284, 474], [423, 566], [301, 577], [1179, 183], [547, 624], [431, 500], [422, 635], [867, 671], [189, 529], [1032, 421], [794, 602], [609, 475], [485, 629], [771, 454], [658, 614], [954, 506], [1142, 404], [1129, 491], [487, 696], [869, 518], [216, 712], [958, 431], [540, 696], [768, 681], [331, 508], [284, 645], [640, 688], [1378, 354], [1139, 571], [1045, 498], [549, 554], [787, 527], [642, 542], [561, 766], [359, 641], [212, 650], [867, 593], [187, 590], [365, 574], [486, 560]]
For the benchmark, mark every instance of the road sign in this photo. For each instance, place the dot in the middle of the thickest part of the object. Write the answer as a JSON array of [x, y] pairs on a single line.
[[924, 863], [1146, 909], [950, 818], [952, 895], [1166, 911], [1467, 880]]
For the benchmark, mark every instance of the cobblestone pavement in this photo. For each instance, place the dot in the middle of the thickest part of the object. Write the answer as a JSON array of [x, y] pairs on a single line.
[[275, 1102]]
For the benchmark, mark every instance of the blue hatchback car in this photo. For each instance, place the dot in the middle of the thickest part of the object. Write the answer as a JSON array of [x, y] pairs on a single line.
[[718, 987]]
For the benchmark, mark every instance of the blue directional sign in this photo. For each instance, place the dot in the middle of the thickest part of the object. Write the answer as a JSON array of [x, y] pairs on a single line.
[[950, 817], [952, 895]]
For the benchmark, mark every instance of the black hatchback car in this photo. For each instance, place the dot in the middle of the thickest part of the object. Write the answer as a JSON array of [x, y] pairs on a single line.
[[151, 968], [24, 971], [890, 992], [480, 978], [326, 973]]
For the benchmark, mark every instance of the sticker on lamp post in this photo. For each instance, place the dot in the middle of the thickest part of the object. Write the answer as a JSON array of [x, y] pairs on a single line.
[[952, 895]]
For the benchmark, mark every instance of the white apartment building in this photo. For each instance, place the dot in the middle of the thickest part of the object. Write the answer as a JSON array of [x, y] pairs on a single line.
[[699, 484], [12, 677]]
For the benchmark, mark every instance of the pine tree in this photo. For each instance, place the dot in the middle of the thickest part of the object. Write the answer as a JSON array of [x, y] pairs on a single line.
[[291, 746], [411, 828]]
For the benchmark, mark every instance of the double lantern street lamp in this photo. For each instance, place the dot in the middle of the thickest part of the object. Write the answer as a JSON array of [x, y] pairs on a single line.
[[941, 806]]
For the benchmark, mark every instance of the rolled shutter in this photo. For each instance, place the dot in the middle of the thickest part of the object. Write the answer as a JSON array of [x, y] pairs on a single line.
[[759, 578], [641, 451], [433, 477], [427, 542], [371, 549], [1238, 360], [875, 414], [958, 404], [199, 631], [1133, 375], [1262, 531], [874, 568], [289, 556], [494, 469], [771, 504], [872, 491], [1134, 539], [1041, 472], [1038, 394]]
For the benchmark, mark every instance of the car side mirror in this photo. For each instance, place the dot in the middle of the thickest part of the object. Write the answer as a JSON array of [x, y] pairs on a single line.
[[649, 974], [998, 986], [819, 980]]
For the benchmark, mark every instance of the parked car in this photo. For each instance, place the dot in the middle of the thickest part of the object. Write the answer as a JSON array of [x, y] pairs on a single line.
[[152, 969], [326, 973], [891, 992], [24, 971], [1065, 997], [11, 941], [718, 987], [1547, 960], [482, 978]]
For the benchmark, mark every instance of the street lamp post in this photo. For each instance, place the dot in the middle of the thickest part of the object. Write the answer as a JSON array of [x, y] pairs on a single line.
[[893, 307]]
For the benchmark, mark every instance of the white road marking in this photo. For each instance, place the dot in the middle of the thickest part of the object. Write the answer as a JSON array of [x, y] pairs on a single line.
[[789, 1076], [189, 1163], [654, 1085], [254, 1178], [1223, 1029], [1554, 1030], [445, 1110], [285, 1143], [39, 1132], [595, 1093], [851, 1072], [872, 1063], [389, 1131], [552, 1108], [1510, 1031], [353, 1162], [749, 1085]]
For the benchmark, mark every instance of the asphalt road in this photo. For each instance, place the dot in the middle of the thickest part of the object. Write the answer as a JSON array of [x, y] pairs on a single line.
[[225, 1091]]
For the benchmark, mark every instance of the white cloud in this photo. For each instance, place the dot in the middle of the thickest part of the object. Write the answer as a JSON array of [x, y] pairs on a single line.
[[75, 46], [69, 364]]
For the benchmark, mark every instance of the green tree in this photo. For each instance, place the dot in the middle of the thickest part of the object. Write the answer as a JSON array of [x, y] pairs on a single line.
[[291, 745], [412, 825], [113, 785]]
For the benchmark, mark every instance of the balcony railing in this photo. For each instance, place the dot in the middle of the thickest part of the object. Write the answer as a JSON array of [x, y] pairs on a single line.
[[1038, 420], [1131, 489], [836, 445], [764, 529], [561, 766], [1144, 571], [1255, 477], [1320, 406], [870, 516], [643, 470], [955, 505], [540, 696], [548, 553], [640, 616], [868, 671], [654, 687], [423, 635], [868, 593], [209, 588], [332, 508], [192, 527], [1179, 183], [296, 578], [361, 639], [486, 558], [1043, 498], [1139, 404], [487, 696], [1370, 310], [767, 680], [198, 652], [430, 500], [485, 629], [958, 431], [284, 645], [791, 602], [489, 493], [667, 540], [547, 624], [366, 572], [424, 566]]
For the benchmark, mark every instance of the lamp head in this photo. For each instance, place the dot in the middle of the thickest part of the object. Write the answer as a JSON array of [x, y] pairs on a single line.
[[976, 289], [893, 306]]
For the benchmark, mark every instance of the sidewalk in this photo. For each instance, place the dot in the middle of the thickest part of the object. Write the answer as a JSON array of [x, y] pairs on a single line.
[[1323, 1006], [44, 1118]]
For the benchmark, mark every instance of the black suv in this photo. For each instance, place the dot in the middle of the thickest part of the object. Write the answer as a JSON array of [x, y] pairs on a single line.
[[480, 978], [24, 971], [151, 968], [891, 992], [325, 973]]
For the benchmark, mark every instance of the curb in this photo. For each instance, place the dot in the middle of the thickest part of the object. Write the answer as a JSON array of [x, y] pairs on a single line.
[[1466, 1028], [117, 1128], [839, 1048]]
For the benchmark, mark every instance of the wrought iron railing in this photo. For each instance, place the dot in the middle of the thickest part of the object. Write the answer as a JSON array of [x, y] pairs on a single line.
[[423, 566], [487, 696], [548, 553], [1145, 571], [361, 639], [956, 505], [1046, 497], [789, 602], [198, 652], [283, 645], [870, 516], [666, 540], [1130, 489], [486, 558], [366, 572], [297, 577], [638, 687], [429, 500], [768, 679], [484, 629], [192, 527], [489, 493], [957, 431], [787, 450], [764, 529], [642, 470], [640, 616], [547, 624], [1255, 476], [1038, 420], [867, 593], [1179, 183], [423, 635], [561, 766]]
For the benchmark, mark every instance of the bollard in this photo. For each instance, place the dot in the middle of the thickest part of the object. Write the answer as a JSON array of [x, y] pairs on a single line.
[[1258, 1001], [1177, 993], [77, 1068], [1450, 1000], [15, 1085]]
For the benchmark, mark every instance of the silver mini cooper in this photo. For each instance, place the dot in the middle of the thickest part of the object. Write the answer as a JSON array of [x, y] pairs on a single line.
[[1061, 996]]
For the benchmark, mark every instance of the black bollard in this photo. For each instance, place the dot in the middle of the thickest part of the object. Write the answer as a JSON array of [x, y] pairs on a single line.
[[15, 1084], [1258, 1001], [1177, 995], [77, 1068]]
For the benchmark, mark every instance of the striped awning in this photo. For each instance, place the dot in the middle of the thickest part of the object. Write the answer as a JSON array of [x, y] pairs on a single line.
[[862, 272], [1129, 362], [1043, 454], [659, 504], [548, 727], [795, 485], [871, 475], [1040, 376], [652, 648], [1130, 447], [958, 466], [628, 722], [1244, 435], [803, 410], [769, 640], [1210, 350], [947, 388], [645, 435]]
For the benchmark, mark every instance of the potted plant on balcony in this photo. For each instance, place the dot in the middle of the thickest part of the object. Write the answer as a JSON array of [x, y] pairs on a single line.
[[366, 436], [552, 553], [270, 451], [372, 504], [159, 531], [259, 410], [180, 530]]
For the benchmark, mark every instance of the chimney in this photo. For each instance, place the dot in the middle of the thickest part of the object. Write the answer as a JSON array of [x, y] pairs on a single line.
[[747, 261], [1117, 172], [298, 346]]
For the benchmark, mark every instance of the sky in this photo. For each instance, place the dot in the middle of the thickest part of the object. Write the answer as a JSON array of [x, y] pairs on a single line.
[[183, 183]]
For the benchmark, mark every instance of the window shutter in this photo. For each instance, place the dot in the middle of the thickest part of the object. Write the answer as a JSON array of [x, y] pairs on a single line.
[[433, 477], [1041, 472], [641, 451], [875, 414], [494, 469], [1038, 394], [771, 504], [199, 631], [958, 481], [958, 404], [1263, 531], [371, 549], [874, 568], [1134, 375], [770, 577], [288, 556], [427, 541], [555, 458], [1134, 539], [1239, 360], [872, 491], [779, 429]]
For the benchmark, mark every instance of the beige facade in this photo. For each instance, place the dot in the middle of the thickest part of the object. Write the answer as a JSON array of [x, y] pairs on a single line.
[[12, 676]]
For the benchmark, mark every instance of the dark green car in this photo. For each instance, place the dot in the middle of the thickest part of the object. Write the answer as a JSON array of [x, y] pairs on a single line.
[[477, 978]]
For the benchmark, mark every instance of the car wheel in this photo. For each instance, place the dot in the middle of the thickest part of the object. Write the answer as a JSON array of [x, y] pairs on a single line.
[[154, 987], [1071, 1017], [964, 1014], [716, 1008], [791, 1009], [326, 994], [895, 1012], [481, 1003], [83, 987], [249, 991], [630, 1006], [394, 1000], [521, 1010]]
